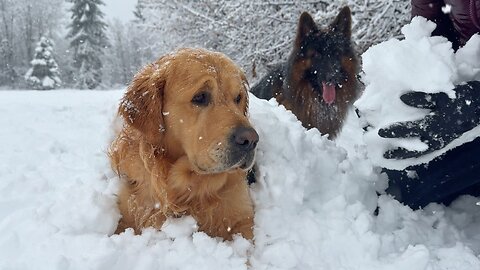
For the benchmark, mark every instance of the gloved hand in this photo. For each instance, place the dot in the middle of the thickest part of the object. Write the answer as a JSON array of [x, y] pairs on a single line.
[[448, 119]]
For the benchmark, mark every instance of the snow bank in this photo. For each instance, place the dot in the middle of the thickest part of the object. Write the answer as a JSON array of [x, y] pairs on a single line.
[[417, 63], [314, 202]]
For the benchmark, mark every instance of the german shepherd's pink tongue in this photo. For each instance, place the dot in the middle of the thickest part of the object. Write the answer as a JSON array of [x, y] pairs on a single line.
[[328, 93]]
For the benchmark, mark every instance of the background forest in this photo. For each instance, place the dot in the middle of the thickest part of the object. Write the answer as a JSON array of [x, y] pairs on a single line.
[[47, 44]]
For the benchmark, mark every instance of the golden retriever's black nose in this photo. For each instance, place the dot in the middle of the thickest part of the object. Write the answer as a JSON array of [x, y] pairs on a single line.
[[245, 138]]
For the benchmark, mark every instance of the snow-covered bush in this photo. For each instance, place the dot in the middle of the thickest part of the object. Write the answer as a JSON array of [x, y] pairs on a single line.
[[259, 34], [44, 72]]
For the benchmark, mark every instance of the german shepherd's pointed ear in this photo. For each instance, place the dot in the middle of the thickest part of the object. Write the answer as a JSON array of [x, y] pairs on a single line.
[[306, 26], [141, 106], [343, 22]]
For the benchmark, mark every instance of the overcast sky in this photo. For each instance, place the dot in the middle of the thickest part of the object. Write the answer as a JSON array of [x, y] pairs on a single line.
[[120, 9]]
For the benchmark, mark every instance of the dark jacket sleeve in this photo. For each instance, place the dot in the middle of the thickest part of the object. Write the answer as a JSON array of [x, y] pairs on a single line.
[[432, 10], [458, 25], [465, 16], [455, 173]]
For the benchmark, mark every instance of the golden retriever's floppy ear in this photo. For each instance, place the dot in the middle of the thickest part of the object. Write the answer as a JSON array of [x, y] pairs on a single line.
[[141, 106]]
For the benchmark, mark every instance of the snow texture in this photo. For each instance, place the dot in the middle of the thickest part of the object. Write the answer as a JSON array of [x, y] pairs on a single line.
[[315, 200], [314, 203], [417, 63]]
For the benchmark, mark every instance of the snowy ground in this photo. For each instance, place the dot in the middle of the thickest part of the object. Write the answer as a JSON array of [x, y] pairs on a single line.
[[315, 201]]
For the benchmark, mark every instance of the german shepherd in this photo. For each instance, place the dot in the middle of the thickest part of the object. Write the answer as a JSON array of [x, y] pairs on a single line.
[[318, 82]]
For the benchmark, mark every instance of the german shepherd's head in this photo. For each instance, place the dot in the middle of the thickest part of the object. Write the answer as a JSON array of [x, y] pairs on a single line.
[[318, 82], [325, 59]]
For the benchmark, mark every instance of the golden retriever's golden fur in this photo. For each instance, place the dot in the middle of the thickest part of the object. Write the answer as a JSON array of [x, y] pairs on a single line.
[[185, 145]]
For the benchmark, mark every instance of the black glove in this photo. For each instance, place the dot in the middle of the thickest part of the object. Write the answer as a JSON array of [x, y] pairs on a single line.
[[448, 119]]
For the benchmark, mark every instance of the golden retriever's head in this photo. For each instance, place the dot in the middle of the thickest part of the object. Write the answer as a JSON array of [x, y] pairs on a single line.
[[194, 102]]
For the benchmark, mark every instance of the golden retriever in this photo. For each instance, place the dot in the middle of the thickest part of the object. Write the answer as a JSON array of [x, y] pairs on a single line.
[[185, 145]]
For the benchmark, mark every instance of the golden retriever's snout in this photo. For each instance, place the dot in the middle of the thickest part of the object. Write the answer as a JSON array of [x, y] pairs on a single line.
[[243, 142], [245, 138]]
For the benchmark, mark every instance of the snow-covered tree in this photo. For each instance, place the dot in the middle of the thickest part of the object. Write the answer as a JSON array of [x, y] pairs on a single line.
[[260, 33], [124, 58], [43, 74], [7, 73], [88, 40], [138, 12], [22, 22]]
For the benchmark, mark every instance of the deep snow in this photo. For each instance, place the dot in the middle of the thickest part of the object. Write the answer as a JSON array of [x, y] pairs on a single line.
[[417, 63], [315, 200]]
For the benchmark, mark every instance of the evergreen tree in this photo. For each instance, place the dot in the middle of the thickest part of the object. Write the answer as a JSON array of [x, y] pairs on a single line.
[[44, 71], [138, 12], [88, 40]]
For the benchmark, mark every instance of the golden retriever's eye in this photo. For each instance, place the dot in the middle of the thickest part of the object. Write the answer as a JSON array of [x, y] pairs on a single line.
[[201, 99], [238, 99]]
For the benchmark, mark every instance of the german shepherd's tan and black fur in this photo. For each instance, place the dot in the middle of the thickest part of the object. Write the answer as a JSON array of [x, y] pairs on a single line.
[[318, 82]]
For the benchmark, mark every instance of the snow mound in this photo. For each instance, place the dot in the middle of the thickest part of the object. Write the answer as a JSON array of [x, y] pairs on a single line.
[[314, 203], [307, 187], [417, 63]]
